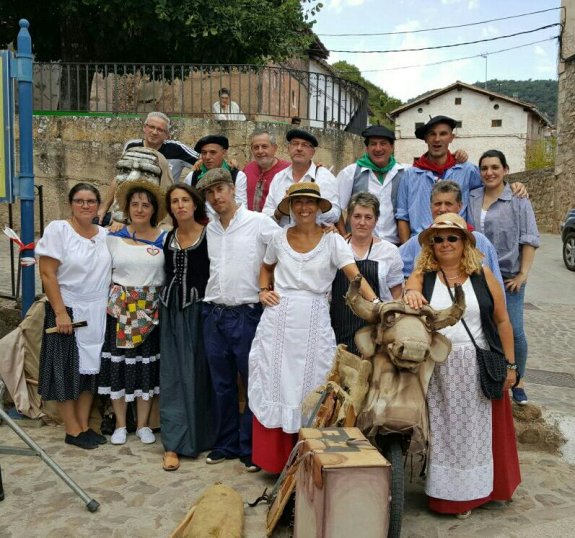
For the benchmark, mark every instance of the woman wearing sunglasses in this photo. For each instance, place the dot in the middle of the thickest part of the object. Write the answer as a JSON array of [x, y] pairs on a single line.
[[509, 223], [472, 456]]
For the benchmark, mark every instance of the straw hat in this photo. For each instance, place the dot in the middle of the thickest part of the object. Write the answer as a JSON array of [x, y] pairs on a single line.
[[126, 187], [447, 221], [309, 189]]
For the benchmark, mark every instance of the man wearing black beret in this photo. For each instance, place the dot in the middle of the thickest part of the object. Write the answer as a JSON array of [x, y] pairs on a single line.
[[376, 172], [301, 149], [413, 212], [213, 151]]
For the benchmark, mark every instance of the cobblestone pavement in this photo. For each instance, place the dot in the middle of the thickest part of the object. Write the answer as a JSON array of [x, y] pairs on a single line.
[[139, 499]]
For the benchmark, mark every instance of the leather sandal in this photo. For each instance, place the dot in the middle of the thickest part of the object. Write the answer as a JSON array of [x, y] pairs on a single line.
[[171, 461]]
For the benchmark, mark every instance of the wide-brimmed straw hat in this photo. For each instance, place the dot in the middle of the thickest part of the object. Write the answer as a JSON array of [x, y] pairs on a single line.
[[447, 221], [309, 189], [126, 187]]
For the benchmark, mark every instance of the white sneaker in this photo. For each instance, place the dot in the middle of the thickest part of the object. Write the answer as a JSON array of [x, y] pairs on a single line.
[[119, 436], [146, 435]]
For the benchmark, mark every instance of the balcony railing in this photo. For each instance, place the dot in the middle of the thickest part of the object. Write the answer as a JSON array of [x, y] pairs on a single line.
[[262, 93]]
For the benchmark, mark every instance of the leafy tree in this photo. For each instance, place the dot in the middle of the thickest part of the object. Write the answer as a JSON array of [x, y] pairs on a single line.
[[380, 103], [187, 31]]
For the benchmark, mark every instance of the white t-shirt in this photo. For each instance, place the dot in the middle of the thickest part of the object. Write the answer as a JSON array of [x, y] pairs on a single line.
[[135, 265]]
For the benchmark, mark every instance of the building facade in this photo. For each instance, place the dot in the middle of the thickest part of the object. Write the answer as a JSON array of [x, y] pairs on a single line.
[[486, 120]]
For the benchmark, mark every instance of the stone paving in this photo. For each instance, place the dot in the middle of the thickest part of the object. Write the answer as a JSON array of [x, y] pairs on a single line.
[[139, 499]]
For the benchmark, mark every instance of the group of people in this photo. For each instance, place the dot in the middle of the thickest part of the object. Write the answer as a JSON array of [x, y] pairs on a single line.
[[248, 281]]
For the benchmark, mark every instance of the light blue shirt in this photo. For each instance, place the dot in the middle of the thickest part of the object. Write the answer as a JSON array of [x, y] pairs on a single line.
[[410, 251], [509, 223], [414, 196]]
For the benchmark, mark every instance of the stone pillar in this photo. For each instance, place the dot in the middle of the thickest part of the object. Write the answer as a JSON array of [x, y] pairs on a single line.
[[564, 186]]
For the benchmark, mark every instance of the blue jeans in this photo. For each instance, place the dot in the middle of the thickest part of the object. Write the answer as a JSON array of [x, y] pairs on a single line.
[[228, 335], [515, 302]]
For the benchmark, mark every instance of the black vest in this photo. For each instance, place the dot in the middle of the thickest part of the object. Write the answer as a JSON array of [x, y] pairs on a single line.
[[485, 300]]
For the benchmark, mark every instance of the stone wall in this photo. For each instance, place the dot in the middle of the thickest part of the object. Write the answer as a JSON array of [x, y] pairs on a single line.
[[564, 191], [544, 189], [68, 149]]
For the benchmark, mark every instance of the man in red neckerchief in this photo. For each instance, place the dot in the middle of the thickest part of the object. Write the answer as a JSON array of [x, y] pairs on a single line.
[[413, 213]]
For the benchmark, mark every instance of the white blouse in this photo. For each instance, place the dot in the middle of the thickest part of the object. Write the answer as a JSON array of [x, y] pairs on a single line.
[[389, 266], [311, 271]]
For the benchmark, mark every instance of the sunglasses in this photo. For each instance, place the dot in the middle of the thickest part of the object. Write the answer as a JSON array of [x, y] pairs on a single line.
[[438, 239]]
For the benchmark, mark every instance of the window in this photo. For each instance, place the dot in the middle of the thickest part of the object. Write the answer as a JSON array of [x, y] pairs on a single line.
[[458, 124], [496, 123], [419, 124], [293, 99], [458, 100], [420, 110], [495, 107]]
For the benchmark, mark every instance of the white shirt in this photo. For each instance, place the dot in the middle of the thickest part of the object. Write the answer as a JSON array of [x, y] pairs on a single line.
[[231, 112], [327, 185], [135, 265], [389, 266], [386, 227], [241, 191], [236, 254]]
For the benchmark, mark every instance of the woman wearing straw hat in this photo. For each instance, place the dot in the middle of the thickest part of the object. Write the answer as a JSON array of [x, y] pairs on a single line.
[[294, 346], [131, 352], [472, 457]]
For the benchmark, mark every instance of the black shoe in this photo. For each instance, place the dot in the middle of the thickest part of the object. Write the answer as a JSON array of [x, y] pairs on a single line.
[[251, 467], [216, 456], [81, 440], [95, 437]]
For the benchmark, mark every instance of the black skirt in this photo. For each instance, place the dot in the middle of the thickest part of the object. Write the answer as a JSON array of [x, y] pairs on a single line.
[[130, 372], [59, 376]]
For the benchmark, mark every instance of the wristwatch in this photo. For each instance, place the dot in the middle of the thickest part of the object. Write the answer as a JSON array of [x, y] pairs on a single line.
[[511, 365]]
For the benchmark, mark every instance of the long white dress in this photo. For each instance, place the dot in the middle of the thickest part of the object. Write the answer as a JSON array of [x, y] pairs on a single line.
[[294, 346], [460, 466]]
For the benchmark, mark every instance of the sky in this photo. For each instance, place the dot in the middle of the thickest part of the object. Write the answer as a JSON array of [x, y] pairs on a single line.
[[360, 17]]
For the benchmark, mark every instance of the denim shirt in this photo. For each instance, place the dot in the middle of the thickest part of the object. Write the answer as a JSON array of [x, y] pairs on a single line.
[[509, 223], [413, 201]]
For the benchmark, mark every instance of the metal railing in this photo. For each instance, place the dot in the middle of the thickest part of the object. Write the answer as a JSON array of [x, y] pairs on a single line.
[[270, 93]]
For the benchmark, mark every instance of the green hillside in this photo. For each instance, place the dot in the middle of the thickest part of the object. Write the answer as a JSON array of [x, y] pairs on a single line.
[[541, 93]]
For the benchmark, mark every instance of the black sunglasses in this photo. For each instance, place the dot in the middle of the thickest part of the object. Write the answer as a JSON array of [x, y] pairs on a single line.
[[438, 239]]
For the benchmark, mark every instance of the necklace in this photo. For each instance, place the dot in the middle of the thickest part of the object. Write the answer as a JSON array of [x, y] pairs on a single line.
[[452, 277]]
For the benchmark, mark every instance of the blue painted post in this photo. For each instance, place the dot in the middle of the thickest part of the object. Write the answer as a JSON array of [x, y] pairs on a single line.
[[26, 177]]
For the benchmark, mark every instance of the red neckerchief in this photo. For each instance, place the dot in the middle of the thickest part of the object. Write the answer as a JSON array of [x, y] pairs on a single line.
[[425, 164], [470, 227]]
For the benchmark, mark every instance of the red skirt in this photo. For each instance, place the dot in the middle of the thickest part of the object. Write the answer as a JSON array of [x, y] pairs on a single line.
[[506, 472], [271, 447]]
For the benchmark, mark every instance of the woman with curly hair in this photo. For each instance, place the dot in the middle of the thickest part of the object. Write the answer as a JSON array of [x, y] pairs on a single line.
[[472, 457]]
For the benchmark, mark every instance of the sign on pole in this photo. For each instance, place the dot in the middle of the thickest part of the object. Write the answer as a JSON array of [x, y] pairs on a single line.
[[6, 134]]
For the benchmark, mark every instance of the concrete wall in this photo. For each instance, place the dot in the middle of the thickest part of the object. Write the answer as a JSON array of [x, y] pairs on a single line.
[[476, 135], [68, 149]]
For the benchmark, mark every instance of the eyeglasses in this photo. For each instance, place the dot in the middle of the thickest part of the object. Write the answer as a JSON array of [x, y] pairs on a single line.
[[305, 145], [154, 128], [80, 202], [438, 239]]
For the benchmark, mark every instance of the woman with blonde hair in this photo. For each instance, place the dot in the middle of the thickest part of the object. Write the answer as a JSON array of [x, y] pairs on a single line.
[[472, 457]]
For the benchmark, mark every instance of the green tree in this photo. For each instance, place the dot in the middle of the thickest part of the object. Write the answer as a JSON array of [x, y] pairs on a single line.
[[188, 31], [380, 103], [541, 154]]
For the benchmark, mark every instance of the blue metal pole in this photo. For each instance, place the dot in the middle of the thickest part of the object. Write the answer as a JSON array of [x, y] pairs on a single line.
[[24, 60]]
